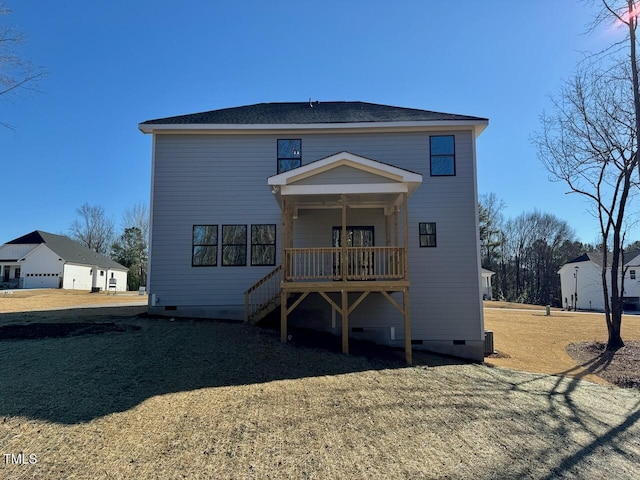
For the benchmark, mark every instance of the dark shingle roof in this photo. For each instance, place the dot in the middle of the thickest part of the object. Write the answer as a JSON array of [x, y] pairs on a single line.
[[301, 113], [67, 249], [596, 257]]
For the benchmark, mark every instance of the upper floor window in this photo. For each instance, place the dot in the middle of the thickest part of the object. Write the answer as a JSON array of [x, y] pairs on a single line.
[[205, 246], [443, 155], [289, 154], [632, 274]]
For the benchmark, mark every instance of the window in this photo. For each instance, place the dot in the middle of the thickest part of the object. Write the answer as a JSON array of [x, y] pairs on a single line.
[[427, 234], [234, 245], [632, 274], [263, 245], [443, 156], [17, 272], [289, 154], [204, 251]]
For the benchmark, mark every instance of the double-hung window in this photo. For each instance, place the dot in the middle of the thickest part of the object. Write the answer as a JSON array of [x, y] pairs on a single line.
[[263, 245], [205, 246], [234, 245], [442, 155], [289, 154]]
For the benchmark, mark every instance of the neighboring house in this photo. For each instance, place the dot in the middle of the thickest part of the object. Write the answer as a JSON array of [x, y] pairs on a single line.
[[487, 288], [363, 218], [44, 260], [581, 282]]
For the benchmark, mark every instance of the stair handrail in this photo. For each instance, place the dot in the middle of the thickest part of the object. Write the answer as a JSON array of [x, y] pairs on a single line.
[[262, 292]]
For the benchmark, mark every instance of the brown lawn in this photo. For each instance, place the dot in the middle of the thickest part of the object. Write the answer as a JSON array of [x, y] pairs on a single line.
[[157, 398], [528, 340]]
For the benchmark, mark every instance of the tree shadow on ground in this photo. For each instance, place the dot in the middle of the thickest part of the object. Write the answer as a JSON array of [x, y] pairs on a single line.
[[563, 417], [74, 379]]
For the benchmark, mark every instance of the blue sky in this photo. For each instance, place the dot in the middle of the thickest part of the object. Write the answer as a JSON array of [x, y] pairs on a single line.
[[114, 64]]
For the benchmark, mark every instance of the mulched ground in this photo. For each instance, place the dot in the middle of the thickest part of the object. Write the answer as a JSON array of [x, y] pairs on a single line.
[[622, 367]]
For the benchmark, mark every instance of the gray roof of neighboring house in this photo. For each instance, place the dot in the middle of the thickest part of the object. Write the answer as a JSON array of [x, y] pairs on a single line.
[[596, 257], [310, 113], [67, 249]]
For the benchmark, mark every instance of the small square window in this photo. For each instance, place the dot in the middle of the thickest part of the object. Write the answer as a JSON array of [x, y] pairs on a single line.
[[427, 234], [289, 154], [442, 155], [204, 248]]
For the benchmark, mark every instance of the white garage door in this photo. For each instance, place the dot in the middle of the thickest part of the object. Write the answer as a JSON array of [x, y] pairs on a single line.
[[41, 280]]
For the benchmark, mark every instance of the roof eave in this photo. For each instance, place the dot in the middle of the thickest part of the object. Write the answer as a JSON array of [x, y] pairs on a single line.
[[477, 125]]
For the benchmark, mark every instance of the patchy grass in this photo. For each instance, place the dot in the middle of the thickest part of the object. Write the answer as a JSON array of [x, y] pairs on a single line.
[[205, 399]]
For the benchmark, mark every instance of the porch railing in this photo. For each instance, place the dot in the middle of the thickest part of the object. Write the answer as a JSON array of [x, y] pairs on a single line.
[[361, 263]]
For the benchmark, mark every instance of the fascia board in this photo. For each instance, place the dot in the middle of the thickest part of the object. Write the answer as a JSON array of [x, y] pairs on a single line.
[[476, 125]]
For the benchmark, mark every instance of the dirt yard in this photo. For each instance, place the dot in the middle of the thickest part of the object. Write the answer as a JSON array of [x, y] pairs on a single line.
[[530, 341], [155, 398]]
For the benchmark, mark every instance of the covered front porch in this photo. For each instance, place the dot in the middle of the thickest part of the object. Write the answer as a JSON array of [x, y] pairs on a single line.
[[331, 210]]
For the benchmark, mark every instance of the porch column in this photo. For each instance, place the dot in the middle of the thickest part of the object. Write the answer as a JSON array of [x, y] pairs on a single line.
[[405, 212], [343, 239], [285, 271], [395, 225], [405, 294]]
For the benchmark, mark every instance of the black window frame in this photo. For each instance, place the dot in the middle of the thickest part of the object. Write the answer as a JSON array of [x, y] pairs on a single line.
[[632, 274], [440, 155], [426, 235], [281, 155], [259, 244], [233, 245], [206, 245]]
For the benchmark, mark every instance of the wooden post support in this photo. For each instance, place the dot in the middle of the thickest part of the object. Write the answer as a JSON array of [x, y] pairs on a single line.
[[408, 354], [345, 322], [283, 317]]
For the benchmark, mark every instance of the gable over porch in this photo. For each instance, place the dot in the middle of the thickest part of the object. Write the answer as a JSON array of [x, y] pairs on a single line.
[[328, 246]]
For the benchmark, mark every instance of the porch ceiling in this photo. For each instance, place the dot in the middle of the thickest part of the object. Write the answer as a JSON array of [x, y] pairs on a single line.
[[365, 183]]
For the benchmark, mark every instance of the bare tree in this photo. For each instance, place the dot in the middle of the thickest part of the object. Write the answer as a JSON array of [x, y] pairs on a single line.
[[17, 76], [491, 219], [590, 143], [138, 217], [93, 229]]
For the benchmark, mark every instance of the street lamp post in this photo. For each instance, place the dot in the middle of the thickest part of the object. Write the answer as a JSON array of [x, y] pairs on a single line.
[[575, 305]]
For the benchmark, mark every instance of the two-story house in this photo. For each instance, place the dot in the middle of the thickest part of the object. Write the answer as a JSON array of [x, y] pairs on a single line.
[[581, 281], [356, 218]]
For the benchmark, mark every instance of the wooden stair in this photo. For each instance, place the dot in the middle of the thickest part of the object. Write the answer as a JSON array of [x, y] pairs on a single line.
[[263, 297]]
